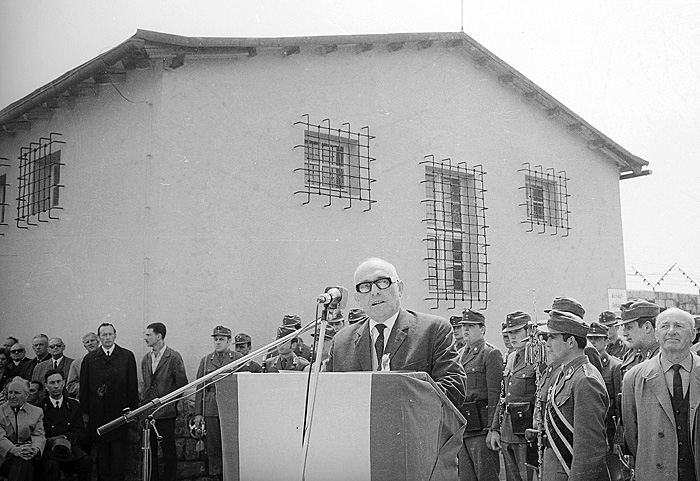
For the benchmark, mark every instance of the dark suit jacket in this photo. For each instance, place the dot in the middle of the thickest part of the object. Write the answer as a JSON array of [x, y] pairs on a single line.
[[107, 386], [66, 421], [417, 342], [170, 375], [43, 367], [24, 369]]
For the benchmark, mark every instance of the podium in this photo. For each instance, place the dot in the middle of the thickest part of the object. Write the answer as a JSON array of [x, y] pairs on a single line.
[[377, 426]]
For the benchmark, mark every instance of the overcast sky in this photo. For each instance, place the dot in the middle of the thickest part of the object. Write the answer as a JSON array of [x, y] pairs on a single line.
[[630, 68]]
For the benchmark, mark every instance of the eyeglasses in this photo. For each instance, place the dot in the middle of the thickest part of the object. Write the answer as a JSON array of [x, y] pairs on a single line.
[[16, 351], [54, 346], [381, 283]]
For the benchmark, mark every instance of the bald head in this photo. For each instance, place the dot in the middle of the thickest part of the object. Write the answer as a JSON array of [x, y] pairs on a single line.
[[675, 330], [375, 263]]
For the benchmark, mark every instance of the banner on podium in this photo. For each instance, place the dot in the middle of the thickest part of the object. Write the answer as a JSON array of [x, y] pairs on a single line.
[[373, 426]]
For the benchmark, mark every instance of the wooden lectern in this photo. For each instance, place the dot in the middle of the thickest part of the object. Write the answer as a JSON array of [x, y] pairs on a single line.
[[367, 426]]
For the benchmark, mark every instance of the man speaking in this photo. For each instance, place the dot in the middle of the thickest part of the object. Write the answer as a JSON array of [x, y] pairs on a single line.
[[395, 338]]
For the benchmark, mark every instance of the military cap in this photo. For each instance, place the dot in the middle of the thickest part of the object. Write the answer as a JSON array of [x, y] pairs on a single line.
[[221, 331], [457, 321], [291, 320], [284, 330], [503, 327], [638, 309], [562, 322], [597, 330], [242, 338], [473, 317], [567, 304], [356, 315], [516, 320], [329, 334], [608, 318]]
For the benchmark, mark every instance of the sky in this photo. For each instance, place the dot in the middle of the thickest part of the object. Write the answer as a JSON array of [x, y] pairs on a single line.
[[629, 68]]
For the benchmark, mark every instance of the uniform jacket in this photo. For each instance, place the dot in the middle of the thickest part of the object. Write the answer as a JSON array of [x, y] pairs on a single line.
[[274, 364], [638, 356], [45, 366], [649, 422], [205, 400], [417, 342], [483, 364], [66, 421], [619, 348], [520, 385], [29, 428], [580, 394], [169, 375], [107, 386], [613, 384]]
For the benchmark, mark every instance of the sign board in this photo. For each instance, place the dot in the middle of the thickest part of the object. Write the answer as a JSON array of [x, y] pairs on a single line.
[[616, 297]]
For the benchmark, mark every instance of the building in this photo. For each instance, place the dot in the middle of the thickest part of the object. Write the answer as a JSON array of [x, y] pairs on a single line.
[[206, 181]]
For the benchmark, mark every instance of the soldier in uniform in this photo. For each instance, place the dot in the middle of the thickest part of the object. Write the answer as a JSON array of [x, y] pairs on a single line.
[[638, 325], [483, 364], [327, 341], [287, 359], [356, 315], [205, 407], [337, 320], [616, 346], [457, 323], [506, 339], [300, 348], [598, 336], [576, 403], [242, 344], [514, 415]]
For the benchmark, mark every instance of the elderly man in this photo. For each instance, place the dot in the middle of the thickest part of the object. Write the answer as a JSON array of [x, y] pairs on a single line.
[[21, 365], [483, 364], [22, 437], [90, 342], [395, 338], [574, 416], [56, 361], [638, 325], [660, 399], [40, 346]]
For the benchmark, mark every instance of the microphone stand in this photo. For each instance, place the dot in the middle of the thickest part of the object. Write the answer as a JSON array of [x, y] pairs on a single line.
[[313, 385], [228, 369], [146, 446]]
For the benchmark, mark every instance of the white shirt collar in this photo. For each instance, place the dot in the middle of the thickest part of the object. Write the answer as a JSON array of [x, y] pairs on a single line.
[[60, 401], [389, 323], [108, 351]]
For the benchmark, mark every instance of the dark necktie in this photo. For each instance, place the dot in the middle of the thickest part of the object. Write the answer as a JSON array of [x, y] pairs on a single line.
[[677, 384], [379, 345], [55, 364], [284, 363], [58, 406]]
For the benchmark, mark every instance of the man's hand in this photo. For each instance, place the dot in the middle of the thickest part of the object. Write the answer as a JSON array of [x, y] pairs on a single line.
[[25, 451], [494, 441]]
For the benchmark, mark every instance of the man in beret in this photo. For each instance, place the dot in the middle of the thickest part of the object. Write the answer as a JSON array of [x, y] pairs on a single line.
[[515, 415], [457, 323], [638, 326], [598, 336], [205, 407], [356, 315], [337, 320], [301, 349], [574, 416], [395, 338], [616, 346], [660, 400], [286, 359], [242, 343], [483, 364]]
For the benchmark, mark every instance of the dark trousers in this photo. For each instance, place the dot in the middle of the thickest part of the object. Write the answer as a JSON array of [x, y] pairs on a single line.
[[214, 445], [514, 457], [80, 465], [166, 428], [111, 460], [476, 461], [18, 469]]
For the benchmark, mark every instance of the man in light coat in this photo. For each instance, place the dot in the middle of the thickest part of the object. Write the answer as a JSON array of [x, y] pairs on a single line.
[[660, 399]]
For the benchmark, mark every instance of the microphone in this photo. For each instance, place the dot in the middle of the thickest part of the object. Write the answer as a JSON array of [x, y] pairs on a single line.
[[334, 296]]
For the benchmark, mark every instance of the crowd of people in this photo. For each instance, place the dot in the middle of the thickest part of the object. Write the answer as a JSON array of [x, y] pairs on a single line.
[[567, 400]]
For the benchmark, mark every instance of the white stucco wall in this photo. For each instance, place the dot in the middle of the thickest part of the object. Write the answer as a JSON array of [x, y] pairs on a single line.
[[181, 209]]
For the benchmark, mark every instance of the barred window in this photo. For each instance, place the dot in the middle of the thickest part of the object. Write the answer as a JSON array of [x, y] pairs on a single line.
[[3, 199], [39, 182], [456, 240], [336, 163], [546, 200]]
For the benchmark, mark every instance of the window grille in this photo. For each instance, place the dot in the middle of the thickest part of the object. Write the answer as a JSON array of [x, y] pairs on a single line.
[[546, 200], [336, 163], [39, 181], [456, 241], [3, 193]]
